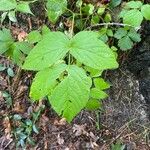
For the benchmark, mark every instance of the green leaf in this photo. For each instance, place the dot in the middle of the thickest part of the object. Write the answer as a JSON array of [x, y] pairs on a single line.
[[3, 16], [95, 19], [93, 72], [118, 146], [99, 83], [114, 3], [2, 67], [122, 13], [55, 8], [48, 51], [5, 40], [35, 129], [12, 16], [134, 4], [34, 37], [93, 104], [5, 35], [89, 50], [10, 72], [146, 11], [44, 81], [110, 32], [79, 3], [133, 17], [121, 32], [134, 35], [6, 5], [101, 10], [17, 56], [24, 7], [97, 94], [107, 18], [24, 47], [88, 9], [45, 30], [125, 43], [17, 117], [72, 94]]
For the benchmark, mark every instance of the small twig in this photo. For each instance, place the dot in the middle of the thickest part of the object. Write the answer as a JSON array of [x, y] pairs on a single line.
[[8, 143], [16, 80], [113, 24]]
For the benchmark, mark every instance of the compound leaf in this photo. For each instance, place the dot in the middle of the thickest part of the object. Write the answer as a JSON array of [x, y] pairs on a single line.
[[89, 50], [72, 94], [44, 81], [146, 11], [48, 51]]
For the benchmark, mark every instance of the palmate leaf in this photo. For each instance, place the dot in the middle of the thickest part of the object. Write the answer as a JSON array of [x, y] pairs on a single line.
[[44, 81], [89, 50], [72, 94], [48, 51]]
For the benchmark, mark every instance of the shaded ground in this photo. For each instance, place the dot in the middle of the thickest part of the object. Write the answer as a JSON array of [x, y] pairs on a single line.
[[124, 117]]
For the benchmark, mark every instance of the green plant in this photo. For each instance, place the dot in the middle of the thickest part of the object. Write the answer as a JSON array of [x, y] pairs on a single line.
[[69, 65], [126, 38], [68, 86], [24, 128], [117, 146], [12, 49], [55, 8], [10, 7], [133, 13]]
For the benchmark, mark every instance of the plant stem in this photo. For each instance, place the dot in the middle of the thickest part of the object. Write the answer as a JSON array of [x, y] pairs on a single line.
[[71, 35], [72, 25], [113, 24]]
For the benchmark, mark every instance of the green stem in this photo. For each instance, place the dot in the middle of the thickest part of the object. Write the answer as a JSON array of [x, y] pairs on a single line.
[[71, 35]]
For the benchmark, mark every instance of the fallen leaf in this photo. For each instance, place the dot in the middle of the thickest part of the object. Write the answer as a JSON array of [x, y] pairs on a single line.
[[22, 35], [79, 130], [60, 140], [61, 122]]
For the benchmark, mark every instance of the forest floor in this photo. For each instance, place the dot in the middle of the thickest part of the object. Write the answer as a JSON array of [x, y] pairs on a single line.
[[124, 118]]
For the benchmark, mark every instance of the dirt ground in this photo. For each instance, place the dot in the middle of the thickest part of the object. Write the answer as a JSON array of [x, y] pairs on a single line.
[[124, 117]]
